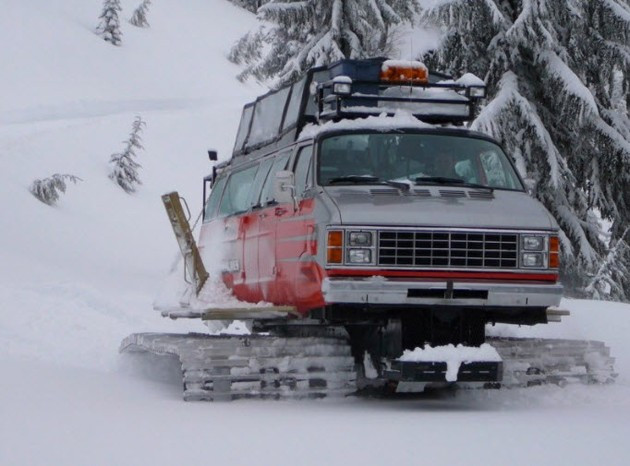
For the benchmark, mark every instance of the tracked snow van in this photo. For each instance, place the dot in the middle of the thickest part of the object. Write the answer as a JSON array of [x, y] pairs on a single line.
[[361, 208]]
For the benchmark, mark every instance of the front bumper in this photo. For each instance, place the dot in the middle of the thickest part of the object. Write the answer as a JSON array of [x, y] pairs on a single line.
[[384, 291]]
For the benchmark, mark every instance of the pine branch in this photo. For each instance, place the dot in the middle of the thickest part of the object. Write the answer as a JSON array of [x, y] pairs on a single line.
[[124, 167], [109, 25], [558, 100], [48, 190], [139, 17]]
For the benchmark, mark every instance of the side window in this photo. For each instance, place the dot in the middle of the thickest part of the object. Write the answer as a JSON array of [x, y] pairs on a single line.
[[280, 163], [236, 196], [261, 176], [302, 167], [213, 200]]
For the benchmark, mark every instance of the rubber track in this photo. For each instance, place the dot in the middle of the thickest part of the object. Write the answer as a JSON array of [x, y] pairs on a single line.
[[254, 366], [264, 366], [537, 361]]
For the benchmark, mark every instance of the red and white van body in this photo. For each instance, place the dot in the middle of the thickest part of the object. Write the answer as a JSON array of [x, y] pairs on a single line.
[[278, 253]]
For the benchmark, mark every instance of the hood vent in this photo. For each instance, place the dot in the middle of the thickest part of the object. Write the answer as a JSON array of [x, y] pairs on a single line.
[[481, 194], [422, 192], [452, 193], [384, 192]]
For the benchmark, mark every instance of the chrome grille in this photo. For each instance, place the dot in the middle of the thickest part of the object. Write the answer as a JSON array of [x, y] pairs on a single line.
[[448, 249]]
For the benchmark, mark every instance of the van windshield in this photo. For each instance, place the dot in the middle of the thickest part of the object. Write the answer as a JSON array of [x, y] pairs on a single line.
[[414, 159]]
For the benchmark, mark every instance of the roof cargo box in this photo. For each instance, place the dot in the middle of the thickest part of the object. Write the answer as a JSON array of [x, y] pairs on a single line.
[[358, 70]]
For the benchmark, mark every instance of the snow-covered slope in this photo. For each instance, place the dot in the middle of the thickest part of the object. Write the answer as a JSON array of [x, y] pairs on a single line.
[[76, 278]]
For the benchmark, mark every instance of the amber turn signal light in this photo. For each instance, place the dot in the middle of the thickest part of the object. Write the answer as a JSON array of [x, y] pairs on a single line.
[[335, 255], [335, 239], [554, 252]]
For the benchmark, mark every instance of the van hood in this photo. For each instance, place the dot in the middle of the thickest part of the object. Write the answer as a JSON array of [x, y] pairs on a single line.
[[440, 206]]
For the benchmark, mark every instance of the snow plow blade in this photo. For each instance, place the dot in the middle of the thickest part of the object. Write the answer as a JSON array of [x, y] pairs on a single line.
[[411, 371]]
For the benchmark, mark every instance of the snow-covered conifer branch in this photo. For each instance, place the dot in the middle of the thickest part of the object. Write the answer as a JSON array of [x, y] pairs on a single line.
[[309, 33], [48, 190], [139, 17], [124, 168], [559, 93], [251, 5], [109, 25], [605, 283]]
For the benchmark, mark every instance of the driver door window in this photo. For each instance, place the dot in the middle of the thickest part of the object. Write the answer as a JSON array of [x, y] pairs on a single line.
[[280, 163], [236, 197], [213, 200], [302, 170]]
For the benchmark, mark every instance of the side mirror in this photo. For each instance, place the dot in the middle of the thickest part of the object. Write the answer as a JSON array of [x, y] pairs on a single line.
[[212, 154], [284, 187], [531, 185]]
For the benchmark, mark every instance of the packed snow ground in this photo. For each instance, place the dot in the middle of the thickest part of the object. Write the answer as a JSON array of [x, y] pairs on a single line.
[[77, 278]]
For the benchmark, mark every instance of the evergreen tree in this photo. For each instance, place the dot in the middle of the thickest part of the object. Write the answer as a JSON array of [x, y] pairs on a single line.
[[251, 5], [48, 190], [307, 33], [109, 26], [139, 17], [558, 79], [124, 168], [612, 280]]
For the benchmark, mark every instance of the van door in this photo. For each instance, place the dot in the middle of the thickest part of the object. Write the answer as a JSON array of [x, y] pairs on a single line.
[[267, 222], [212, 228], [294, 237], [233, 208], [252, 234]]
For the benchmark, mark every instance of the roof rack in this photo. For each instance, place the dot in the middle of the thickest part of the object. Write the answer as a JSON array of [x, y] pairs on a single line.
[[355, 89], [358, 89]]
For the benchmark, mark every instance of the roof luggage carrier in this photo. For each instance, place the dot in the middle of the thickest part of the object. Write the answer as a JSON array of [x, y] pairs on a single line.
[[359, 88], [350, 89]]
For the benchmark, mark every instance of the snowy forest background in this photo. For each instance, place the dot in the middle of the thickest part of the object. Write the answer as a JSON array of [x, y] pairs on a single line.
[[558, 77]]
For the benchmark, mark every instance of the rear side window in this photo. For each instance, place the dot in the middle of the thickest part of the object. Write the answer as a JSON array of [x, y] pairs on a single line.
[[302, 167], [236, 196], [268, 117], [293, 110], [243, 128], [280, 163], [214, 198]]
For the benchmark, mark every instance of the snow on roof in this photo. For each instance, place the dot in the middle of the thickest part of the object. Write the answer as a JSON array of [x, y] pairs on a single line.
[[382, 122], [470, 79], [342, 79], [453, 356], [418, 65]]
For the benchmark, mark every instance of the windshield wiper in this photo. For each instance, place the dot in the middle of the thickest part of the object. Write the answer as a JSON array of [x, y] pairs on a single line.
[[369, 179], [357, 179], [398, 184], [447, 181]]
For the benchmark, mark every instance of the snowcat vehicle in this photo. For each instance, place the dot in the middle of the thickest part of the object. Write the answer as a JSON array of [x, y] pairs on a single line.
[[382, 235]]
